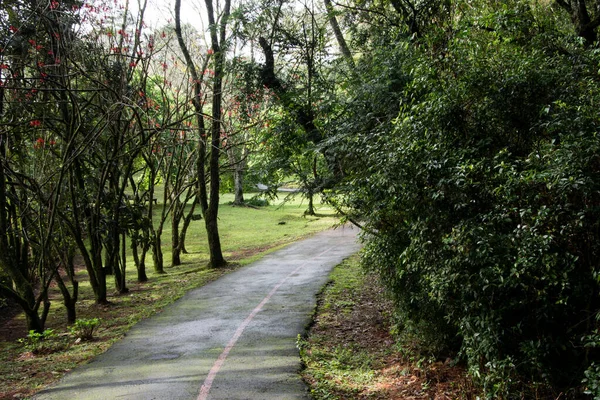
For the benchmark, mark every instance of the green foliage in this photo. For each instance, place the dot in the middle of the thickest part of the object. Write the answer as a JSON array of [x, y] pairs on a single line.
[[479, 186], [257, 202], [592, 381], [39, 343], [592, 373], [84, 328]]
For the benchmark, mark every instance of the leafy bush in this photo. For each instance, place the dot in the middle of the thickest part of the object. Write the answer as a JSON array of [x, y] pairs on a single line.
[[39, 343], [257, 202], [482, 200], [84, 328]]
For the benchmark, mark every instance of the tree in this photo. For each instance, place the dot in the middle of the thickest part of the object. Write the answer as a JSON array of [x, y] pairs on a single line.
[[585, 23], [301, 91], [208, 199], [339, 35], [467, 164], [32, 178], [245, 117]]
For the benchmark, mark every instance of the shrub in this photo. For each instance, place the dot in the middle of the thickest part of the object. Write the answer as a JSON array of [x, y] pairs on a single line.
[[482, 202], [84, 328], [257, 202], [39, 343]]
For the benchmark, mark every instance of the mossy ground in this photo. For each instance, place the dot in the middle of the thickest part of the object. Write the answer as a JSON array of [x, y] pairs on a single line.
[[349, 352]]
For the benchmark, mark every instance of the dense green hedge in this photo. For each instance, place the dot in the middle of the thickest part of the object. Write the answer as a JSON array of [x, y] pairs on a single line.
[[482, 196]]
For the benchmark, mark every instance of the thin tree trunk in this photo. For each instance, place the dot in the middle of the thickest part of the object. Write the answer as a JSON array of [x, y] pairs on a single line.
[[93, 256], [186, 224], [140, 262], [339, 36], [311, 207], [217, 38], [157, 254], [238, 185], [175, 237], [210, 206], [68, 300], [123, 263]]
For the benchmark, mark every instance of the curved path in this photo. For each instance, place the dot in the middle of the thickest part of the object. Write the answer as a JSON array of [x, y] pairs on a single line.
[[234, 338]]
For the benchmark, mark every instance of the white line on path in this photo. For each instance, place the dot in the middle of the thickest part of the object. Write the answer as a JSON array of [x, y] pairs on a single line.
[[221, 360]]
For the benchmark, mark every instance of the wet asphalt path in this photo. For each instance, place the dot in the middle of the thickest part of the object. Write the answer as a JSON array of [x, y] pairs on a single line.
[[234, 338]]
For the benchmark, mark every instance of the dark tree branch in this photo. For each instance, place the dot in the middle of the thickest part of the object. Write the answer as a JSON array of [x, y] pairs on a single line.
[[301, 114], [585, 26]]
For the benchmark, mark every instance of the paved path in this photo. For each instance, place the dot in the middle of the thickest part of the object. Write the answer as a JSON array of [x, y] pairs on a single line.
[[234, 338]]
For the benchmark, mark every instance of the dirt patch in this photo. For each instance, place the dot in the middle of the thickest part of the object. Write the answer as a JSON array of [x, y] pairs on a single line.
[[12, 327], [247, 253], [361, 322]]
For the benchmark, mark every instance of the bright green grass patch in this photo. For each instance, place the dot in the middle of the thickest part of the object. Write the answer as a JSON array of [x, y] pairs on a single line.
[[243, 230], [246, 234]]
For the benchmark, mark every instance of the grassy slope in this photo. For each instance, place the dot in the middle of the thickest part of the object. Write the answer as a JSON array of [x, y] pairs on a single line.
[[350, 354], [246, 234]]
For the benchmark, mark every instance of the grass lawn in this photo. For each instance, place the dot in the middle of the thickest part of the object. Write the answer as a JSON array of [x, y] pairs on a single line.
[[246, 234], [245, 230]]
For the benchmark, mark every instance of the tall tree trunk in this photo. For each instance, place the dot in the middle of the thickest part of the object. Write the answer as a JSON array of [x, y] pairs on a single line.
[[339, 36], [217, 38], [157, 254], [238, 185], [210, 206]]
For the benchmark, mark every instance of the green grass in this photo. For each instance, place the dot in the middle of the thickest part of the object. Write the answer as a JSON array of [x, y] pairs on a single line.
[[336, 367], [243, 230], [246, 234]]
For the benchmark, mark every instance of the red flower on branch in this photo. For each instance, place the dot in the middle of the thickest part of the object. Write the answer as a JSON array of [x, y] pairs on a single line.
[[39, 143], [36, 123]]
